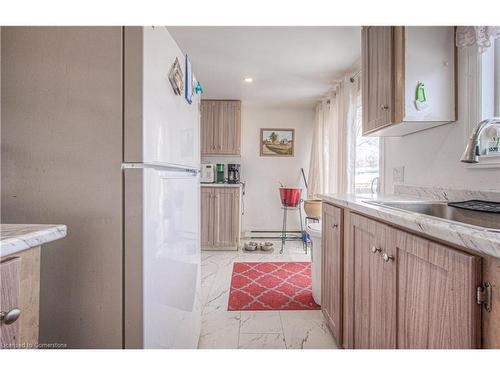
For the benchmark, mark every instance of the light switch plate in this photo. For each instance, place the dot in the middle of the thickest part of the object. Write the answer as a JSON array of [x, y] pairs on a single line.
[[398, 174]]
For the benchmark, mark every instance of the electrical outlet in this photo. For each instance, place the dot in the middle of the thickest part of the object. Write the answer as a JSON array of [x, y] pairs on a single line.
[[398, 174]]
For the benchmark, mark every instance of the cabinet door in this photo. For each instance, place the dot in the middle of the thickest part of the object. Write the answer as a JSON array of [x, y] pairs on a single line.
[[436, 295], [10, 289], [229, 129], [226, 218], [207, 216], [331, 269], [374, 286], [377, 68], [208, 126]]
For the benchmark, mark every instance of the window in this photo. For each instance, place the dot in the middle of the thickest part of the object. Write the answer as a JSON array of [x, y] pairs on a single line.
[[484, 81], [490, 81], [366, 158]]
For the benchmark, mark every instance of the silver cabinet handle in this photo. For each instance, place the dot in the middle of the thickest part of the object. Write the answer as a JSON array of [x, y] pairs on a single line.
[[387, 257], [10, 316], [376, 249], [384, 107], [335, 225]]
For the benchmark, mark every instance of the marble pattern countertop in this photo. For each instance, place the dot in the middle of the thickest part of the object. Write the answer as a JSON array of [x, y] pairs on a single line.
[[18, 237], [214, 184], [468, 236]]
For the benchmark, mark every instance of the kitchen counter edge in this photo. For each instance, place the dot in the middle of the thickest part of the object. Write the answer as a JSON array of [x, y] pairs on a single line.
[[470, 237], [19, 237]]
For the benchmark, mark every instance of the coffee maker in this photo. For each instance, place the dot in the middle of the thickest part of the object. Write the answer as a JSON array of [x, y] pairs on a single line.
[[233, 173]]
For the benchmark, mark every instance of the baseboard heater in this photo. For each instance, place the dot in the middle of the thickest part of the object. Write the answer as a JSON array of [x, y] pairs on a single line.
[[275, 234]]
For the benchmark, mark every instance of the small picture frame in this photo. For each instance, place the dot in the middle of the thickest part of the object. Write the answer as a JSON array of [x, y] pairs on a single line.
[[176, 78], [277, 142]]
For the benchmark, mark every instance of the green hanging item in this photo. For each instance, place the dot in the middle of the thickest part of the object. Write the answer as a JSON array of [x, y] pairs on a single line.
[[420, 99]]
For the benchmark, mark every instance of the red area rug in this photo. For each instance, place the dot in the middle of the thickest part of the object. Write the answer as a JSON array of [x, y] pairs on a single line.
[[271, 286]]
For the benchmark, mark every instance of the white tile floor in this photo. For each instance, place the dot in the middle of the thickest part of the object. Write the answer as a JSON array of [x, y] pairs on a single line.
[[222, 329]]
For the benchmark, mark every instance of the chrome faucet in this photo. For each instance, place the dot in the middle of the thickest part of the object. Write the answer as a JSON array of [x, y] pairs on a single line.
[[375, 182], [471, 153]]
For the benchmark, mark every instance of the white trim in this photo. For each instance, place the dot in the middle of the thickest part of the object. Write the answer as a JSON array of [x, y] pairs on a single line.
[[381, 164], [473, 89]]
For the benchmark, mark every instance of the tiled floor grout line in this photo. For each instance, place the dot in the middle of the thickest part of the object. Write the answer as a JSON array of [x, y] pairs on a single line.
[[283, 330]]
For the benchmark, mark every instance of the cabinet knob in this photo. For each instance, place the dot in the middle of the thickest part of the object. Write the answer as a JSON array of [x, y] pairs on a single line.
[[335, 225], [376, 249], [10, 316], [385, 107], [387, 257]]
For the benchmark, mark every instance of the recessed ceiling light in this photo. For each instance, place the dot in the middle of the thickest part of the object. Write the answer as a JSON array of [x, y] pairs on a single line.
[[248, 79]]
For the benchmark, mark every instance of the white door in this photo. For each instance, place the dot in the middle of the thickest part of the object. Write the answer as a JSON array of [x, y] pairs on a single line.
[[171, 259]]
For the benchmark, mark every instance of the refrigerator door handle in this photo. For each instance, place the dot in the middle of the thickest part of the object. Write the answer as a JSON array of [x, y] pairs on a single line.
[[162, 167]]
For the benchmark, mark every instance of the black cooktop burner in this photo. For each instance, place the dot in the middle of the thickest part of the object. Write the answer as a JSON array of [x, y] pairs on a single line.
[[478, 205]]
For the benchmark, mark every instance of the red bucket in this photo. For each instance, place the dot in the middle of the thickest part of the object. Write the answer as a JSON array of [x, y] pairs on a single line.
[[290, 197]]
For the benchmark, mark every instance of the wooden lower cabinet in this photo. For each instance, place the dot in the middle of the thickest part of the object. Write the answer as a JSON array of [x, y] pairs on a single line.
[[20, 288], [491, 320], [374, 308], [405, 291], [10, 299], [220, 218], [207, 217], [331, 284], [436, 294]]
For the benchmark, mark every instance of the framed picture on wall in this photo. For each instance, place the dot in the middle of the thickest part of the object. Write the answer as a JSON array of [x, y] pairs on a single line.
[[277, 142]]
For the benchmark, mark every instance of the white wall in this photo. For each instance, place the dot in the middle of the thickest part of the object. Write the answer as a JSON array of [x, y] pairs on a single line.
[[432, 157], [263, 174]]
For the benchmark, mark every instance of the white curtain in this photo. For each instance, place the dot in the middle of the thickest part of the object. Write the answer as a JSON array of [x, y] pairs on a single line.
[[481, 36], [332, 153]]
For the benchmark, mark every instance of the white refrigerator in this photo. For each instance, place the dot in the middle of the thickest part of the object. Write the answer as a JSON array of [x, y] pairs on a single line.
[[161, 198]]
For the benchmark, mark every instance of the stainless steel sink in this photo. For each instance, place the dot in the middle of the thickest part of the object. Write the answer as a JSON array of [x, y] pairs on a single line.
[[489, 221]]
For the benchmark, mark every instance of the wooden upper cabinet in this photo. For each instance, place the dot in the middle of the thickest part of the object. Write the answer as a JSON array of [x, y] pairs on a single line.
[[394, 60], [331, 269], [437, 306], [374, 303], [209, 117], [220, 218], [377, 106], [220, 127]]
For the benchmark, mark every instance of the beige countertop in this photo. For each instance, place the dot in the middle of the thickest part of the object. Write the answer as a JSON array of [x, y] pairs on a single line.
[[204, 184]]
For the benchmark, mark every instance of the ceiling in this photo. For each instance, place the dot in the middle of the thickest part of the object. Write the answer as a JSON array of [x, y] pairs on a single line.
[[290, 66]]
